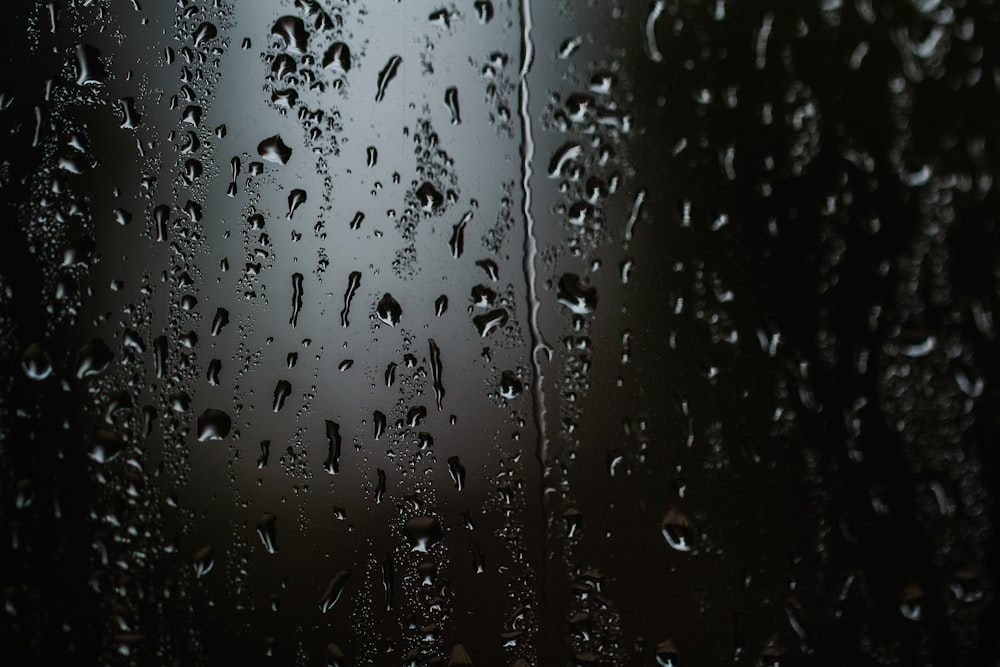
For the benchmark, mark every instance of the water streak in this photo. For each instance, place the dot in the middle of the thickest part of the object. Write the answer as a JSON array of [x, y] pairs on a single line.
[[530, 255], [530, 242]]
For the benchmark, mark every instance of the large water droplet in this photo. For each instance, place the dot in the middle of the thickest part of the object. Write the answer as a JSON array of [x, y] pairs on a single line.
[[267, 531], [489, 322], [94, 359], [36, 362], [204, 561], [422, 532], [273, 149], [106, 445], [387, 74], [430, 197], [334, 590], [282, 390], [389, 310], [89, 68], [292, 32], [676, 530], [213, 425], [577, 295], [205, 32], [337, 57]]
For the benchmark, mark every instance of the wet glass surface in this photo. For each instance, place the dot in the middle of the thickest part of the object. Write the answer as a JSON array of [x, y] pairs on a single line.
[[499, 333]]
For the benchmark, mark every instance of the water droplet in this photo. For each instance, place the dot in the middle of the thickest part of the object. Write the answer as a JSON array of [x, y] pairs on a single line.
[[130, 118], [483, 296], [337, 57], [436, 372], [36, 362], [387, 74], [89, 68], [563, 157], [379, 485], [267, 531], [93, 359], [510, 386], [489, 322], [204, 561], [334, 442], [273, 149], [652, 50], [296, 198], [579, 297], [105, 445], [292, 32], [490, 267], [333, 591], [422, 532], [282, 390], [451, 103], [676, 530], [911, 602], [179, 401], [571, 521], [457, 240], [213, 425], [204, 32], [214, 368], [379, 420], [283, 66], [160, 356], [220, 321], [484, 11], [625, 270], [459, 657], [353, 283], [666, 654], [415, 415], [430, 198], [389, 310], [440, 17], [334, 656], [457, 472], [265, 453], [296, 298], [569, 47]]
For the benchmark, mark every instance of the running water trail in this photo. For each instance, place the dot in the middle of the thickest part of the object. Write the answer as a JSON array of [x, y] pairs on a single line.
[[538, 345], [530, 242]]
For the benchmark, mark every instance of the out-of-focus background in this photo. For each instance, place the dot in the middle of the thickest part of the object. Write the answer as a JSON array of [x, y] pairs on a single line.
[[491, 332]]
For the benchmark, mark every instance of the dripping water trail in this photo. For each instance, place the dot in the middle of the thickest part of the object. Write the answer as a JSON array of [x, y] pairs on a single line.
[[538, 345]]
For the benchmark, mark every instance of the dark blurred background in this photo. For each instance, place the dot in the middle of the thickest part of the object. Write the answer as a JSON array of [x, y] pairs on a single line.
[[608, 333]]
